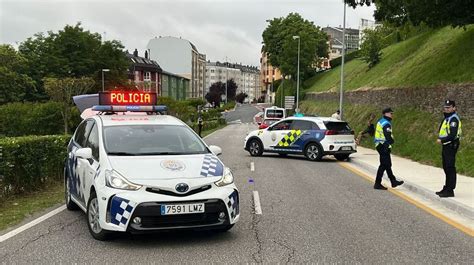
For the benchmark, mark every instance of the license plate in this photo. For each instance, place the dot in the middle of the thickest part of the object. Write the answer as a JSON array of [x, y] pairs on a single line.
[[182, 208], [346, 148]]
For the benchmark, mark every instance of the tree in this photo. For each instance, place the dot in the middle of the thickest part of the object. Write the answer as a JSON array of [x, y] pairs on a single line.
[[282, 49], [15, 85], [74, 52], [215, 92], [241, 97], [371, 48], [218, 89], [433, 13], [231, 89], [62, 90]]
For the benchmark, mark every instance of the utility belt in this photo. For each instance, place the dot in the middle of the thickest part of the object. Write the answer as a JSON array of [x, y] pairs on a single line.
[[453, 144]]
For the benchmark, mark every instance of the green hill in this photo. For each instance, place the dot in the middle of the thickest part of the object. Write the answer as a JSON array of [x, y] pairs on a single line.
[[439, 56]]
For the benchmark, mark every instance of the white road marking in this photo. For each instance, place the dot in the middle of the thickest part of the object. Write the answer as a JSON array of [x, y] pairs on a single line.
[[252, 166], [31, 224], [256, 202], [235, 122]]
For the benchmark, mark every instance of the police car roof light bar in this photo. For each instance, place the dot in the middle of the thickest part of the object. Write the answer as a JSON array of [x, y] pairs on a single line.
[[132, 108]]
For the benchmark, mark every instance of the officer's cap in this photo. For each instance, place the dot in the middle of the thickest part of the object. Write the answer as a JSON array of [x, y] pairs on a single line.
[[387, 110], [449, 103]]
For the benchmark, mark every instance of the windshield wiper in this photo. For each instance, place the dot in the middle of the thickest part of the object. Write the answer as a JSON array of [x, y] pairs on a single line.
[[121, 154], [160, 153]]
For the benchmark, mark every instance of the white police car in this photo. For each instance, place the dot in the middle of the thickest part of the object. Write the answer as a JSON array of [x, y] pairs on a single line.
[[312, 136], [138, 173]]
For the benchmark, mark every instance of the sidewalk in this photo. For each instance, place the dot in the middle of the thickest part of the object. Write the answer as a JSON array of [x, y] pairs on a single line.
[[422, 179]]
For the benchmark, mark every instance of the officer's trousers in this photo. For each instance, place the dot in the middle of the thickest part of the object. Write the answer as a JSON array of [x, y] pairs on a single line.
[[449, 165], [385, 164]]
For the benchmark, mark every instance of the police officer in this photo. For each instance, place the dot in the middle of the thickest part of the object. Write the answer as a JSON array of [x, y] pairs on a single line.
[[199, 121], [449, 134], [383, 143]]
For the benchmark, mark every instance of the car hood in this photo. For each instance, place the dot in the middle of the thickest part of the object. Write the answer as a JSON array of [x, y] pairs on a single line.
[[149, 169]]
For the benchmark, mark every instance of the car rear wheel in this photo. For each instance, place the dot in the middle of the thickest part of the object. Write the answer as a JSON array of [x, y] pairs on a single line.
[[255, 147], [313, 152], [341, 157], [70, 205], [93, 219]]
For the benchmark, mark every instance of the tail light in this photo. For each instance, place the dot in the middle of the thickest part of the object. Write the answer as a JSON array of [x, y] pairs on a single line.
[[331, 132]]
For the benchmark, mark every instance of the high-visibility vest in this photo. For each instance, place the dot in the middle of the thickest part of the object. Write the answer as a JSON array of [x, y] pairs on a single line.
[[444, 130], [379, 136]]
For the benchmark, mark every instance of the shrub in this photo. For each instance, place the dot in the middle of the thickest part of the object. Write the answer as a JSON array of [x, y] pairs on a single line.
[[347, 57], [28, 163], [19, 119]]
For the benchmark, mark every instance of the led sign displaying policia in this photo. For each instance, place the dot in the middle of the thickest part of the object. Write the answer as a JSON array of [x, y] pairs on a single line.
[[113, 101], [127, 98]]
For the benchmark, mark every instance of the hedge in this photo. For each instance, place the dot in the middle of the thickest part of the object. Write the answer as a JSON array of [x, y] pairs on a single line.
[[348, 57], [28, 163], [19, 119]]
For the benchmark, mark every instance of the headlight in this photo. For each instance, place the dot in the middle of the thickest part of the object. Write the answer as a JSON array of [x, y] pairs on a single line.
[[226, 179], [114, 180]]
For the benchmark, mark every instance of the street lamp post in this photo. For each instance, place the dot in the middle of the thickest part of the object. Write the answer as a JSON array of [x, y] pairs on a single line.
[[298, 75], [226, 78], [342, 61], [103, 85]]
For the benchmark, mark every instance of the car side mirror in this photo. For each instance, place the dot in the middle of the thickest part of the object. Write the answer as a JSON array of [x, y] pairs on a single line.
[[85, 153], [263, 126], [215, 149]]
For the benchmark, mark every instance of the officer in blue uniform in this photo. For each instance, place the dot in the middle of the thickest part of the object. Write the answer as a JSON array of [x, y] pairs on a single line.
[[383, 143], [449, 134]]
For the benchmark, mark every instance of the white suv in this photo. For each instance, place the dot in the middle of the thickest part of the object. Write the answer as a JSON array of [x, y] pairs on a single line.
[[312, 136], [142, 173]]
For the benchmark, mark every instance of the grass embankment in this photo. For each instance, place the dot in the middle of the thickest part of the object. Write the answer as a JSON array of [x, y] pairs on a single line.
[[16, 208], [415, 132], [436, 57]]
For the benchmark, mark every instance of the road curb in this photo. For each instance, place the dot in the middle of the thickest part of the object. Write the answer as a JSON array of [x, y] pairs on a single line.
[[458, 207]]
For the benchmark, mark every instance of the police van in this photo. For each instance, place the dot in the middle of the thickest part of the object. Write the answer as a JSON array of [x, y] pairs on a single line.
[[274, 112], [313, 137], [129, 168]]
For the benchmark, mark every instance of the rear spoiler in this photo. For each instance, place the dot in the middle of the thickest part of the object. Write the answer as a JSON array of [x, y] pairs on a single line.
[[85, 103]]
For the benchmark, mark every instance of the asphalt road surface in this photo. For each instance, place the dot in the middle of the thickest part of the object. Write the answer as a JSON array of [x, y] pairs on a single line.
[[311, 212]]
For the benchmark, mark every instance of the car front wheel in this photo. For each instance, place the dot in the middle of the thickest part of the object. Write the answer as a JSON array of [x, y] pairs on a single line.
[[93, 219], [313, 152], [255, 147]]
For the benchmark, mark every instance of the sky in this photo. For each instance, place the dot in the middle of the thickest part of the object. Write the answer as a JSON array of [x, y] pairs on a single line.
[[218, 28]]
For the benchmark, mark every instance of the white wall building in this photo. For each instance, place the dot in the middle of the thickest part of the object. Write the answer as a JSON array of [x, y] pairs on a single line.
[[363, 25], [180, 56], [246, 77]]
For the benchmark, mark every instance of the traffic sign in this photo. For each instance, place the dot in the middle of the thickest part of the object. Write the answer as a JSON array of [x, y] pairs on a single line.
[[289, 102]]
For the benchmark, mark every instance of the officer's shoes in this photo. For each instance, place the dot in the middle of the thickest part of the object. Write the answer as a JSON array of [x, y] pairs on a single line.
[[441, 191], [446, 194], [397, 183], [379, 187]]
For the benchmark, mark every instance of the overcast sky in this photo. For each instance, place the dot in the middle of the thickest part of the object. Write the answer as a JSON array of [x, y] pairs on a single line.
[[218, 28]]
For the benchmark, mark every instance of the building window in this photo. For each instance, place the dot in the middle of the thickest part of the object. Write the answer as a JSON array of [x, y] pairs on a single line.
[[147, 76]]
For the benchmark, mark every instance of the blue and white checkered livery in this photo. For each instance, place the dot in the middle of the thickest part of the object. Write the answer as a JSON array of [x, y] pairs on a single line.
[[211, 166], [120, 211], [233, 204]]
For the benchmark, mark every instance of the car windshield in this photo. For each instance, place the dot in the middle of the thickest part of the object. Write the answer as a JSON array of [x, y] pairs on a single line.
[[337, 126], [133, 140]]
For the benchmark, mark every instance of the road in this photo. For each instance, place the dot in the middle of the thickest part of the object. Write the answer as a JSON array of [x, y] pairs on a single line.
[[311, 212]]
